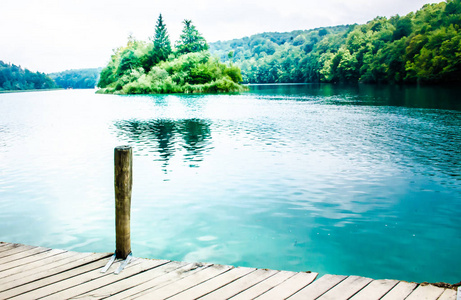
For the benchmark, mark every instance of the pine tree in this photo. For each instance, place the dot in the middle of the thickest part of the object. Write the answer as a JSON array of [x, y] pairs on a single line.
[[160, 47], [190, 40], [162, 43]]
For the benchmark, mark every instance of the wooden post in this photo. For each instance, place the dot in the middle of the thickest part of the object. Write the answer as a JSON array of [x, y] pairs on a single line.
[[123, 169]]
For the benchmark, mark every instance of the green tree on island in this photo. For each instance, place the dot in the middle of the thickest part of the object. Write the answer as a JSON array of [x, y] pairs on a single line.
[[162, 41], [151, 68], [190, 40], [161, 47]]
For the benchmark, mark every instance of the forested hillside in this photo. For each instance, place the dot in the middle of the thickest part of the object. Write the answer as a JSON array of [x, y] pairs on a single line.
[[14, 78], [423, 46], [77, 79]]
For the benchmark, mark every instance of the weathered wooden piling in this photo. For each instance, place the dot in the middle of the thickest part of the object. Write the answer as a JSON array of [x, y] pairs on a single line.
[[123, 181]]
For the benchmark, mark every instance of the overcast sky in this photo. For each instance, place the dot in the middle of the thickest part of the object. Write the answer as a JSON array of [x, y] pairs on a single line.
[[56, 35]]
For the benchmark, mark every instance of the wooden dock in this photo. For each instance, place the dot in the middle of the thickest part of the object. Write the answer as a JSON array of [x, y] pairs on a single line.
[[28, 272]]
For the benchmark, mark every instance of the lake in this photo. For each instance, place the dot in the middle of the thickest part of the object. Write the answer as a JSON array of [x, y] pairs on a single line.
[[352, 180]]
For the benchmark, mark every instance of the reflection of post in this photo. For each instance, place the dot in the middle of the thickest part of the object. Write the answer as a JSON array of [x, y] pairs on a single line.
[[123, 169]]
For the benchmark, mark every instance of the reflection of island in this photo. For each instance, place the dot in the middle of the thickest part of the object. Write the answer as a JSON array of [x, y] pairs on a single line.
[[166, 137]]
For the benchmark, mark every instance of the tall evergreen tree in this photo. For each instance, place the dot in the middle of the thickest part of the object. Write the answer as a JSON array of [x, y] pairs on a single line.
[[190, 40], [160, 47], [162, 43]]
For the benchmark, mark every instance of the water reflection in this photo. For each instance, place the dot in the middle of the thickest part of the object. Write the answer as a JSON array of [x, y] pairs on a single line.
[[324, 180], [166, 138], [196, 135]]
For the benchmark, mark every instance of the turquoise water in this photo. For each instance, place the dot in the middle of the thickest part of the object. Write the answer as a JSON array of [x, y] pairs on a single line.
[[362, 180]]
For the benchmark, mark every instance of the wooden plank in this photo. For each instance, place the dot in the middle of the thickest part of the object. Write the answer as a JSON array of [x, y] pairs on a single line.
[[9, 246], [318, 287], [6, 247], [158, 282], [36, 272], [264, 286], [101, 280], [92, 262], [289, 287], [19, 259], [73, 278], [44, 271], [426, 292], [13, 266], [15, 250], [128, 283], [375, 290], [19, 271], [346, 288], [20, 252], [213, 284], [240, 284], [185, 283], [448, 294], [400, 291]]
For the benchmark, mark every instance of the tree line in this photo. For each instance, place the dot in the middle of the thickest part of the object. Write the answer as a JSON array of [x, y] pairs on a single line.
[[15, 78], [77, 79], [156, 67], [420, 47], [423, 47]]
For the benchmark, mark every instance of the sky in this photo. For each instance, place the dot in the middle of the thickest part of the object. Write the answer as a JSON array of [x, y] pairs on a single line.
[[57, 35]]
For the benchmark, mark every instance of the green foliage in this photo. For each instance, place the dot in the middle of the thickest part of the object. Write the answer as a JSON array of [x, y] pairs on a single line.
[[161, 39], [14, 78], [281, 57], [420, 47], [234, 73], [195, 72], [77, 79], [190, 40], [323, 32], [161, 47], [151, 68]]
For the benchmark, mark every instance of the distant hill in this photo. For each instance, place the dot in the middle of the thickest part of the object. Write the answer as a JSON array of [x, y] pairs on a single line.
[[268, 42], [77, 79], [423, 47], [15, 78], [281, 57]]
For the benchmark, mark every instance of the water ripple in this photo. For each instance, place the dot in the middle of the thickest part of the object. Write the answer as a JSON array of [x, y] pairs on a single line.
[[315, 177]]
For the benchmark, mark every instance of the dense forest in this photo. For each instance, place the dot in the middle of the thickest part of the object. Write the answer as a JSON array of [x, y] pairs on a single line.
[[157, 67], [423, 47], [15, 78], [77, 79]]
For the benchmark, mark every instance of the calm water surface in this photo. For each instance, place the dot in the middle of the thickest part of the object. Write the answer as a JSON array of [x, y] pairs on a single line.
[[345, 180]]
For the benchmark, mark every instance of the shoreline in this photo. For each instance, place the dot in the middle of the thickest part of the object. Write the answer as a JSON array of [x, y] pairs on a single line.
[[28, 91]]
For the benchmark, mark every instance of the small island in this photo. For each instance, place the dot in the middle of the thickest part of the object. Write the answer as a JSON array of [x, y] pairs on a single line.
[[156, 68]]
